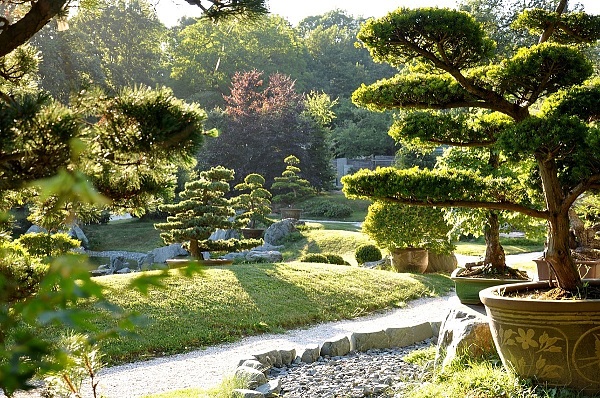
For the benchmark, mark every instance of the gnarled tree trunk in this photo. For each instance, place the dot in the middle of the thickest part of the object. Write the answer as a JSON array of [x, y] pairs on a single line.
[[494, 252]]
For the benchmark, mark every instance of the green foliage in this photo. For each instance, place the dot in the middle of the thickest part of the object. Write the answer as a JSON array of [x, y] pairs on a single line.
[[20, 273], [367, 253], [581, 26], [48, 245], [202, 210], [255, 204], [467, 46], [83, 360], [335, 259], [314, 258], [291, 186], [393, 225], [320, 207]]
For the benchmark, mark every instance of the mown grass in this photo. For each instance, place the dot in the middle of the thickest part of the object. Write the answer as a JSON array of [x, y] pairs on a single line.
[[481, 378], [315, 239], [359, 207], [133, 234], [222, 390], [227, 303]]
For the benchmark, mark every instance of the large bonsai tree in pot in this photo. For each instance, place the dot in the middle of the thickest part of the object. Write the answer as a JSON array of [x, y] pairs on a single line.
[[539, 108], [556, 145], [202, 210]]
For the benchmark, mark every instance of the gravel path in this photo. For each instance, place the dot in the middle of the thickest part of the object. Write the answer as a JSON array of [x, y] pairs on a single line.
[[205, 368]]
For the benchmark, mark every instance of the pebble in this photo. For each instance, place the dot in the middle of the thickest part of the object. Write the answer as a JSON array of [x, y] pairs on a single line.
[[375, 373]]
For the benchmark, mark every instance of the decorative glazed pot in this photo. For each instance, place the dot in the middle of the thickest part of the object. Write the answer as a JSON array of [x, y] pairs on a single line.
[[290, 213], [252, 233], [410, 259], [468, 288], [552, 341]]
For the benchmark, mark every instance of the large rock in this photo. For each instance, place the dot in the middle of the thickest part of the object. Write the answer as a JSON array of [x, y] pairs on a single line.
[[262, 256], [252, 377], [311, 353], [441, 262], [364, 341], [77, 233], [279, 230], [36, 229], [336, 348], [224, 234], [162, 254], [464, 331], [270, 389]]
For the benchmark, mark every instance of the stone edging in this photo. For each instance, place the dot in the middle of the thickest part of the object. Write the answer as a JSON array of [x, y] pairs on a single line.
[[254, 368]]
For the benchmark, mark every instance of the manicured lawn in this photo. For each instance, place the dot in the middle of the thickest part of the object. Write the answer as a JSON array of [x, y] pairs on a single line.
[[226, 303], [132, 235], [511, 246]]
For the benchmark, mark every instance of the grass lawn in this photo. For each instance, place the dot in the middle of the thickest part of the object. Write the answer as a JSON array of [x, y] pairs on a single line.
[[227, 303], [132, 235], [511, 246]]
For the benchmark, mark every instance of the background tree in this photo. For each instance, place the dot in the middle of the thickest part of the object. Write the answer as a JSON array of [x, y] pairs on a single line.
[[558, 139], [205, 56], [202, 210], [264, 122]]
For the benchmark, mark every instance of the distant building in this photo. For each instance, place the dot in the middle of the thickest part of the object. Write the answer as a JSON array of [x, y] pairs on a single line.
[[344, 166]]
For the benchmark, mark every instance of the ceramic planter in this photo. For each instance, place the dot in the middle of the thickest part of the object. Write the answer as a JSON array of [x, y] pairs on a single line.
[[410, 259], [290, 213], [468, 288], [552, 341], [587, 269]]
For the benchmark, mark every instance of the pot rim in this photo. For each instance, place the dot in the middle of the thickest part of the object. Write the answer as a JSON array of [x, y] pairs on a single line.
[[460, 278], [489, 298]]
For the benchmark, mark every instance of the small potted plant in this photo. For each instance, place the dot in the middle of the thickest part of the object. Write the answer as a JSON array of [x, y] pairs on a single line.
[[254, 204], [409, 233], [291, 188], [202, 210]]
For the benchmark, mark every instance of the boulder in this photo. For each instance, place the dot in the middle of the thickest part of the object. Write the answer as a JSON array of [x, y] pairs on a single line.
[[253, 363], [464, 331], [253, 377], [441, 262], [264, 256], [162, 254], [244, 393], [77, 233], [224, 234], [287, 356], [311, 353], [118, 263], [279, 230], [364, 341], [336, 348], [269, 358], [265, 247]]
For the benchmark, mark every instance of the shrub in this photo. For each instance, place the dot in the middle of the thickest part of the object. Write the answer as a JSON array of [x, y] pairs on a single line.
[[20, 273], [367, 253], [45, 245], [326, 208], [314, 258], [335, 259]]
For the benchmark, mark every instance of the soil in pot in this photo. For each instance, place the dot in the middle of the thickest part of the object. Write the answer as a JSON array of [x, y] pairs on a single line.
[[550, 341]]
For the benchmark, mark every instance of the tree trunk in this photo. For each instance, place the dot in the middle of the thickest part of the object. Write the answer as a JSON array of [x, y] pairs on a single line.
[[558, 254], [494, 252], [194, 250]]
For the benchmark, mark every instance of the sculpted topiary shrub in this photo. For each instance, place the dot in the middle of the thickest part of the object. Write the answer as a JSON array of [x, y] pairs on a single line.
[[48, 245], [367, 253], [314, 258]]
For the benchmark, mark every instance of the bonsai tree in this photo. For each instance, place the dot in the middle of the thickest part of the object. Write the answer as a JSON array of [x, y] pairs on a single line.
[[256, 203], [291, 186], [202, 210], [538, 107]]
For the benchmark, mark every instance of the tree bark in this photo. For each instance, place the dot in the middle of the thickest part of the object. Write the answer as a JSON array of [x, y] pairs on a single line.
[[494, 252], [18, 33], [194, 249]]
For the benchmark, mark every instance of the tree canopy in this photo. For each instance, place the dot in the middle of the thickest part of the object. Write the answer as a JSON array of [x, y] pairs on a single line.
[[454, 66]]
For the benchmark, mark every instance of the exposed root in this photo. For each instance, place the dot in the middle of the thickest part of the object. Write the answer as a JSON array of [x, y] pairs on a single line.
[[482, 270]]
